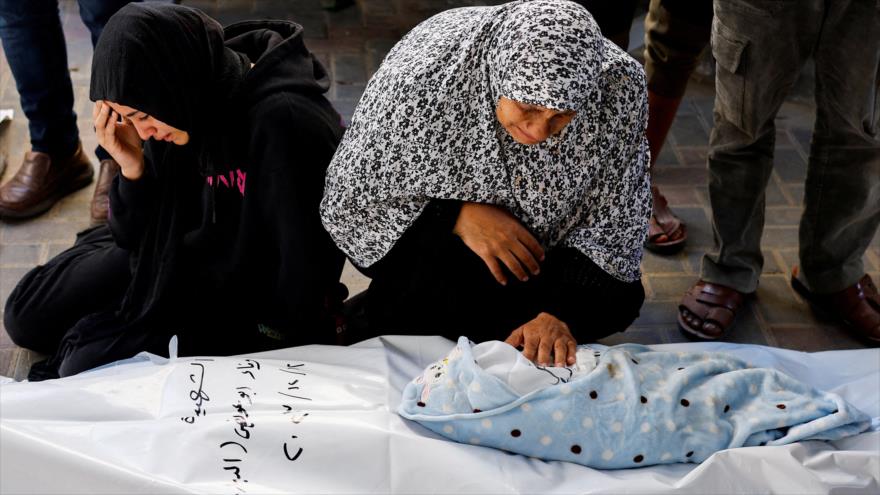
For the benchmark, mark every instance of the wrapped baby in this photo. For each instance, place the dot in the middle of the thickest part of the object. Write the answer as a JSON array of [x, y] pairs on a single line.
[[620, 407]]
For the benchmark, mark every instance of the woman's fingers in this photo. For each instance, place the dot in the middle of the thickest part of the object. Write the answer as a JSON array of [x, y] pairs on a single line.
[[494, 268], [516, 338], [513, 264], [532, 244], [560, 351], [525, 257], [572, 352], [101, 118], [545, 348], [531, 341]]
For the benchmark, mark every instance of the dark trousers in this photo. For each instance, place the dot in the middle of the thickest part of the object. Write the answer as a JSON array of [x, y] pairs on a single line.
[[34, 44], [431, 283], [56, 307], [760, 49]]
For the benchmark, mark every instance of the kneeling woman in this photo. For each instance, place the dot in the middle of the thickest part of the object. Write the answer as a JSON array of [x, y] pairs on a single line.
[[214, 232], [494, 182]]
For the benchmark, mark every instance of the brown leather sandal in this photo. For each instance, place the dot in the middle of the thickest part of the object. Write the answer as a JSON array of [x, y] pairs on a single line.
[[664, 223], [857, 306], [707, 310]]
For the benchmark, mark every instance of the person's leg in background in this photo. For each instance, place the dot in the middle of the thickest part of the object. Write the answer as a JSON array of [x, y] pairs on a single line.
[[34, 44], [759, 52], [676, 33], [33, 40], [95, 14], [842, 191]]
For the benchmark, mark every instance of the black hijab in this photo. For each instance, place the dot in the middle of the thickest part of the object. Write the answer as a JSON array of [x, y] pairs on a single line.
[[171, 63]]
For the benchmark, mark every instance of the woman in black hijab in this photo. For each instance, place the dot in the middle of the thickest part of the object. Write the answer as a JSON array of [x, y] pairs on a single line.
[[223, 138]]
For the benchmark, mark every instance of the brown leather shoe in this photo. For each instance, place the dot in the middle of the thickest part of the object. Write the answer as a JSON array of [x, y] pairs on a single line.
[[101, 199], [857, 306], [41, 181]]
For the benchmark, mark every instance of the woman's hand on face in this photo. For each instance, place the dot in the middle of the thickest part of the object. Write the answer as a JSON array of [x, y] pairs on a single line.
[[496, 235], [542, 336], [120, 139]]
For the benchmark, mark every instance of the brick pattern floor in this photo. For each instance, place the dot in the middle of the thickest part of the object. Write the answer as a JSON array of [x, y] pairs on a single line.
[[351, 43]]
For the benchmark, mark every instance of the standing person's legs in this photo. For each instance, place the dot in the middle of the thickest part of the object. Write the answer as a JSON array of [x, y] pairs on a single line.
[[842, 192], [676, 33], [95, 14], [37, 55], [48, 301], [759, 51], [34, 44]]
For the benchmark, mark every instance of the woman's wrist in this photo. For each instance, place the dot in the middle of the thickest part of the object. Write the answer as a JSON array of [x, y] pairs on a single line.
[[132, 172]]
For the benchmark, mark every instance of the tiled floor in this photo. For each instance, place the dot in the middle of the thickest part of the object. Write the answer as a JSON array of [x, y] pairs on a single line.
[[352, 43]]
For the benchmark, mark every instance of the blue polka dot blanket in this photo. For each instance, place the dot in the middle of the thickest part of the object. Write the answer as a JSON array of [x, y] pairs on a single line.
[[620, 407]]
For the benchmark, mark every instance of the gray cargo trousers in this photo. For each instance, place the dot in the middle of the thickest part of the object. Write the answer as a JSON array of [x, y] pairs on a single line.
[[760, 47]]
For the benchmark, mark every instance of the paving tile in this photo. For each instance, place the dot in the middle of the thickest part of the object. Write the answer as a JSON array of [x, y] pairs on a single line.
[[747, 328], [802, 138], [681, 196], [669, 287], [8, 357], [353, 279], [349, 91], [805, 338], [5, 340], [693, 156], [654, 263], [9, 278], [841, 338], [688, 130], [26, 358], [790, 258], [705, 107], [783, 138], [680, 175], [345, 109], [657, 314], [795, 192], [42, 229], [779, 237], [773, 195], [789, 165], [698, 225], [348, 68], [785, 216], [777, 303], [694, 260], [666, 157], [20, 254], [674, 335]]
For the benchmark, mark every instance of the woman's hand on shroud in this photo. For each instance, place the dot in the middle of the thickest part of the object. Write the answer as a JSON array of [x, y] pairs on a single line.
[[542, 336], [120, 139], [496, 235]]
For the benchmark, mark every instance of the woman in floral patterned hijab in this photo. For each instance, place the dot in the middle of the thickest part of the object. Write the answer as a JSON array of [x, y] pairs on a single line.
[[509, 138]]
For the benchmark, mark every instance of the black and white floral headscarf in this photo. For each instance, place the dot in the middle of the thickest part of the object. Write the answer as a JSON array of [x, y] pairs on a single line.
[[426, 128]]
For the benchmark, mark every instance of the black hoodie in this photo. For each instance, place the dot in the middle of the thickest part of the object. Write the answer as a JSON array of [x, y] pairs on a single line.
[[224, 231]]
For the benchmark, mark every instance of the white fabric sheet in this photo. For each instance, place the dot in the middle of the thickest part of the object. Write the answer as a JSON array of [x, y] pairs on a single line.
[[126, 428]]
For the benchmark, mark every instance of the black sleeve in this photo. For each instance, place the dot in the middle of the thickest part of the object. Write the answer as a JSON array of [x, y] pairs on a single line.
[[132, 203], [290, 153], [590, 301]]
